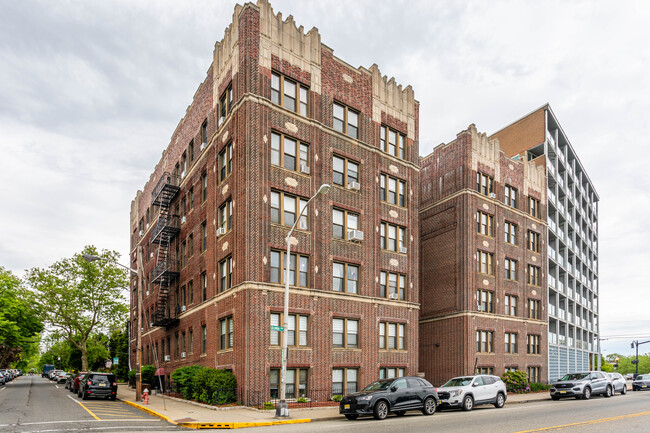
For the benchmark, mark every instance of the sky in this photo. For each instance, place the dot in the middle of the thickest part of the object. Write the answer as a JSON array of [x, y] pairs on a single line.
[[91, 92]]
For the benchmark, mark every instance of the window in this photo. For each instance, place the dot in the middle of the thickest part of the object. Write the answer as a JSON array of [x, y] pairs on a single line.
[[511, 269], [391, 336], [297, 378], [510, 305], [184, 164], [191, 337], [484, 262], [289, 153], [485, 301], [533, 374], [285, 209], [534, 311], [345, 333], [392, 238], [225, 162], [392, 284], [204, 339], [511, 342], [532, 341], [390, 372], [345, 171], [345, 277], [225, 333], [392, 142], [297, 330], [204, 236], [204, 286], [190, 147], [204, 135], [345, 120], [343, 221], [484, 224], [278, 259], [190, 245], [533, 207], [510, 231], [225, 274], [484, 341], [190, 198], [183, 342], [533, 241], [190, 290], [183, 207], [506, 369], [289, 94], [392, 190], [483, 184], [204, 186], [510, 196], [183, 254], [225, 215], [344, 381], [534, 275], [183, 295], [225, 105]]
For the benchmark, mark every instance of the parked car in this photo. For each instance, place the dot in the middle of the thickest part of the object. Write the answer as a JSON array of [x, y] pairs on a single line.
[[582, 385], [618, 383], [642, 382], [78, 381], [629, 376], [469, 391], [98, 385], [2, 379], [53, 374], [62, 376], [69, 380], [47, 369], [395, 395], [6, 376]]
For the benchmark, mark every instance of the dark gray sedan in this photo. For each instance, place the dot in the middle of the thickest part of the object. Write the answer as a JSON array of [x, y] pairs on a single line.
[[641, 383]]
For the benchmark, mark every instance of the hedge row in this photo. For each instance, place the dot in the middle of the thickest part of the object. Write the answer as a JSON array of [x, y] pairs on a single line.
[[205, 385]]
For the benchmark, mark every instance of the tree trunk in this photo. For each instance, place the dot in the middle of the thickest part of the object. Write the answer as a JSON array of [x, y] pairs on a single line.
[[84, 356]]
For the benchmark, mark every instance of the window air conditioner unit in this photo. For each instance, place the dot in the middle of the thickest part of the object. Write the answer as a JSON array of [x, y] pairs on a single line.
[[304, 169], [183, 174], [402, 250], [141, 330], [354, 186], [151, 254], [168, 358], [393, 296], [147, 226], [147, 292], [141, 232], [493, 195], [183, 308], [151, 325], [182, 354], [203, 146], [221, 231], [183, 219], [355, 235]]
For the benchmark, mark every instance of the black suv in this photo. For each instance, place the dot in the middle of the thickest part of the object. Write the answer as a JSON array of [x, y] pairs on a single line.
[[98, 385], [395, 395]]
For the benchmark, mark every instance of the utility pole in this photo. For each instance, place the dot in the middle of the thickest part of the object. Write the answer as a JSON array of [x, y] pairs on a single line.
[[138, 343], [636, 361]]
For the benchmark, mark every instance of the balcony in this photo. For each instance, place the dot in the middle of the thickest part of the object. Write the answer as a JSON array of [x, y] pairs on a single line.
[[165, 271], [167, 227], [165, 190]]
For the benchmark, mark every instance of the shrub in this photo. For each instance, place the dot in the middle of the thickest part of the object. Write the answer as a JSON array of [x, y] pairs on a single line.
[[183, 380], [148, 375], [516, 381], [268, 406], [132, 374], [337, 397], [302, 400], [536, 386], [215, 387]]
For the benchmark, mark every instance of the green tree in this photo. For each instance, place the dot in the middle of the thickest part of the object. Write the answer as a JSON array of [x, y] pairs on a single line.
[[79, 299], [119, 348], [19, 323]]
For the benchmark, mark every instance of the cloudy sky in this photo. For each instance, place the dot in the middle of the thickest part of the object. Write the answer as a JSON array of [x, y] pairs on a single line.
[[90, 93]]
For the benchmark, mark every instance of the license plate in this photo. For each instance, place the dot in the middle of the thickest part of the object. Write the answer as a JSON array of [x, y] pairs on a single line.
[[346, 406], [102, 384], [562, 392], [644, 386]]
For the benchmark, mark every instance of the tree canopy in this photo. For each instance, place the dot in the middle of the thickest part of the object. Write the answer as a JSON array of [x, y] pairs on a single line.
[[78, 299]]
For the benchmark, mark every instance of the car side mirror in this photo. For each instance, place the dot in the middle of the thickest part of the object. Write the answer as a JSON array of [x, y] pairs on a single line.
[[475, 384], [393, 388]]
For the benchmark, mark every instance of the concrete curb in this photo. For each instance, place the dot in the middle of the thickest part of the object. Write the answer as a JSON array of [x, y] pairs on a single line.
[[149, 411], [233, 425]]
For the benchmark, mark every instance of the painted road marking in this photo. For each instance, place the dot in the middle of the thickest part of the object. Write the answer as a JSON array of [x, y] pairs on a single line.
[[590, 422], [87, 410]]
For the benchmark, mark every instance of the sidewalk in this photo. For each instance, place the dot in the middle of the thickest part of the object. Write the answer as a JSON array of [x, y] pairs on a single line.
[[195, 415]]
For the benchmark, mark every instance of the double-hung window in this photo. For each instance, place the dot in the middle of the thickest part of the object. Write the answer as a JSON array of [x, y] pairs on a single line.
[[484, 262], [533, 207], [289, 93], [392, 285], [225, 274], [484, 184], [391, 336], [226, 333], [485, 301], [342, 222], [534, 309], [534, 278], [484, 223], [345, 171], [345, 381], [297, 379], [278, 268], [345, 120], [225, 104], [511, 342], [532, 344], [510, 232], [392, 190], [225, 215], [510, 305], [289, 153], [485, 341], [285, 208], [204, 186], [511, 269], [345, 333], [510, 196], [345, 277], [533, 241], [297, 330], [392, 237], [225, 162], [392, 142]]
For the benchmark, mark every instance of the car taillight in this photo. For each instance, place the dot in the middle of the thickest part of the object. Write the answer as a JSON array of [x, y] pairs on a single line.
[[114, 384]]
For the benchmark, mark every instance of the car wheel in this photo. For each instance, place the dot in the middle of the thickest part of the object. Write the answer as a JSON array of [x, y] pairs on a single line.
[[555, 398], [587, 393], [624, 390], [351, 416], [399, 412], [468, 403], [501, 400], [608, 392], [429, 406], [381, 410]]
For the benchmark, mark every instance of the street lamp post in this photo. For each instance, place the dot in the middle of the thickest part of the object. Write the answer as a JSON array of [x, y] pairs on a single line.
[[282, 408], [138, 353], [636, 343]]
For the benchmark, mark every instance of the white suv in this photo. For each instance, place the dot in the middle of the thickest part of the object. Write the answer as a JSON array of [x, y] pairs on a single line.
[[582, 385], [469, 391]]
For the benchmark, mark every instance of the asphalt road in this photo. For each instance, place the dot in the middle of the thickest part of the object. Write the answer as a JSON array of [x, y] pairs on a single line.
[[622, 413], [35, 404]]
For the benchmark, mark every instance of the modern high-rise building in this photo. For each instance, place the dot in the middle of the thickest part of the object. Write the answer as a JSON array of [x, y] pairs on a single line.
[[572, 259], [482, 261], [277, 116]]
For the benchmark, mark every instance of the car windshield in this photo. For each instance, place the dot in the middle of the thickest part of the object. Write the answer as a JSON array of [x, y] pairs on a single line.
[[576, 376], [459, 381], [379, 385], [640, 377]]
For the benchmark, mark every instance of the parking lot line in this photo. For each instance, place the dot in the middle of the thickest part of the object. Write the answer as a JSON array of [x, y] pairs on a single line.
[[87, 410]]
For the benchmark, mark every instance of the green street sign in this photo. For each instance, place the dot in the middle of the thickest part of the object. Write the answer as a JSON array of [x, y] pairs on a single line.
[[277, 328], [116, 361]]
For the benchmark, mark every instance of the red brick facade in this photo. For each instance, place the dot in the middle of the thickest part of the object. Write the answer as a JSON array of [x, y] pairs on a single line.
[[450, 242], [252, 298]]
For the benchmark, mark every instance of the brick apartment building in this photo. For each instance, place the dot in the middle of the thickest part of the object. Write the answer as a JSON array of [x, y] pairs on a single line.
[[572, 258], [277, 116], [482, 261]]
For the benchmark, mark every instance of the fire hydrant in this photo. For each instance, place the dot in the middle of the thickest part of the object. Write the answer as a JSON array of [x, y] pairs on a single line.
[[145, 396]]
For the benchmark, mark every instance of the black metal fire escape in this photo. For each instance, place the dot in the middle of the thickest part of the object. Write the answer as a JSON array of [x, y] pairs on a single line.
[[166, 271]]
